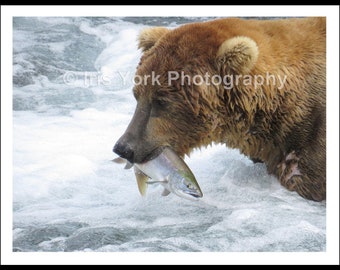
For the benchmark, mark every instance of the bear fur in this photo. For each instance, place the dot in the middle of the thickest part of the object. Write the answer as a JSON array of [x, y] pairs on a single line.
[[281, 122]]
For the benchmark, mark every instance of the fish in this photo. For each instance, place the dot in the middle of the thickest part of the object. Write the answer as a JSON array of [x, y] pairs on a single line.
[[167, 169]]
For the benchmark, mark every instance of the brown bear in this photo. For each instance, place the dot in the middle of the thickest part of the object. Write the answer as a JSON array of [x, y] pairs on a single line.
[[255, 85]]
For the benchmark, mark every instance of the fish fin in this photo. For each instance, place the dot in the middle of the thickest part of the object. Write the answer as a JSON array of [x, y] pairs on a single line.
[[142, 181], [119, 160], [152, 182], [128, 165], [165, 192]]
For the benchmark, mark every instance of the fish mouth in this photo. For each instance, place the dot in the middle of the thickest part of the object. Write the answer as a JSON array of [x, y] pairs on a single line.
[[193, 195], [196, 195]]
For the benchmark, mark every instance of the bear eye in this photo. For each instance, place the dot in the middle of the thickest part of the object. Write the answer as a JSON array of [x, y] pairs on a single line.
[[158, 107], [160, 103]]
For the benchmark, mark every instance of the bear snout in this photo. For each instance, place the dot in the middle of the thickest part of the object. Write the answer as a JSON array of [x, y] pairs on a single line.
[[135, 149], [124, 149]]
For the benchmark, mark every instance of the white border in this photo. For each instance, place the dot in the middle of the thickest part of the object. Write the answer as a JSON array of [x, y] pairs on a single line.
[[171, 10], [331, 256]]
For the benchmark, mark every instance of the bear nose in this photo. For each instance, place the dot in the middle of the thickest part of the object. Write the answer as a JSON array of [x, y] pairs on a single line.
[[124, 150]]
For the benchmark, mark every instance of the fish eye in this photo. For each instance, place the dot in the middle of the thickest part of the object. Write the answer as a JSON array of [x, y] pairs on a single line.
[[188, 185]]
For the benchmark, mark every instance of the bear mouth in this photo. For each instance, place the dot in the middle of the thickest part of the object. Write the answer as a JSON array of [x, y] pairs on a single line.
[[153, 154]]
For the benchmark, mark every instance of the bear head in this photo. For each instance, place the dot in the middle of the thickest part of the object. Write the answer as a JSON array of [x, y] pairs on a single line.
[[180, 88]]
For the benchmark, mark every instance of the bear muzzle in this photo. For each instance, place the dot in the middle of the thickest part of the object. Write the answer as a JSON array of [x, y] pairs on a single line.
[[124, 150], [135, 149]]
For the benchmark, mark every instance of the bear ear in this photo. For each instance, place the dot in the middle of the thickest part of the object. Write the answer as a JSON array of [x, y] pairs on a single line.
[[149, 36], [237, 55]]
